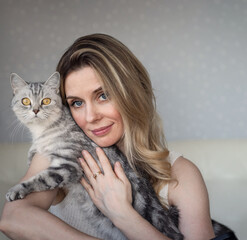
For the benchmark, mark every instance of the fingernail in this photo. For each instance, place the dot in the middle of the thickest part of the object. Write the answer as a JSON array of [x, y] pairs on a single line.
[[81, 160], [98, 148], [84, 152]]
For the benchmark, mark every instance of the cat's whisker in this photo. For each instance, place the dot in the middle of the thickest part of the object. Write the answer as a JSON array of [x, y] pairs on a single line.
[[13, 124], [23, 131], [15, 131]]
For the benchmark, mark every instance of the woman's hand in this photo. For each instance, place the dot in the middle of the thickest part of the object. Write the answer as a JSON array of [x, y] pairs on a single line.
[[111, 193], [111, 190]]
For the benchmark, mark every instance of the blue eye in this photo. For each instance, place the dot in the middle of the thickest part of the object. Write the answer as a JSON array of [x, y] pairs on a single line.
[[77, 104], [103, 96]]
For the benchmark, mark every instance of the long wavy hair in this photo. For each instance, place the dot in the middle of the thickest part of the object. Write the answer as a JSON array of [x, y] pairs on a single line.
[[127, 82]]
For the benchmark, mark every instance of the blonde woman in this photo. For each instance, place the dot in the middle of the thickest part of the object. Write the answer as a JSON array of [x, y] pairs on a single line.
[[110, 96]]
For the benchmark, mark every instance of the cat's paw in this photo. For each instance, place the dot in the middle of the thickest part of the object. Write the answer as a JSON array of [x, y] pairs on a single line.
[[16, 192]]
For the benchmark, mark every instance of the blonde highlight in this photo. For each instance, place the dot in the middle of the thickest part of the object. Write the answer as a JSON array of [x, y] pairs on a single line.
[[127, 82]]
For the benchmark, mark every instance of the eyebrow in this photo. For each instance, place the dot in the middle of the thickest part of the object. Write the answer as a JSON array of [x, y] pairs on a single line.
[[99, 89]]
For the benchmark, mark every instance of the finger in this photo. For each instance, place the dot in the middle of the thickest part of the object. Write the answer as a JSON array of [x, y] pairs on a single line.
[[94, 167], [86, 169], [120, 172], [88, 187], [104, 161]]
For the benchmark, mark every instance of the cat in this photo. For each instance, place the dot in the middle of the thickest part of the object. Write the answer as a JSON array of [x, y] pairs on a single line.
[[56, 136]]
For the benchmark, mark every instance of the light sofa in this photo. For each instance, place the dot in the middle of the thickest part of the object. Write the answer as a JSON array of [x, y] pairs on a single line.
[[223, 164]]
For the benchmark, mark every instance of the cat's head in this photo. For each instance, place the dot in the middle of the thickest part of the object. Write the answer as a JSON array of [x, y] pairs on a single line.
[[37, 104]]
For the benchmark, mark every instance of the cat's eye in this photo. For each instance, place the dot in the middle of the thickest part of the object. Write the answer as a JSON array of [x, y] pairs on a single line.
[[46, 101], [26, 101]]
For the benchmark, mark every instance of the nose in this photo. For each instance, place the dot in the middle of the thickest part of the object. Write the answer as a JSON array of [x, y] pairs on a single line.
[[92, 113], [36, 111]]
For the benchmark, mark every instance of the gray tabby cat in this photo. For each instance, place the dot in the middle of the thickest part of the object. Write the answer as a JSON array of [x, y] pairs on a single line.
[[56, 136]]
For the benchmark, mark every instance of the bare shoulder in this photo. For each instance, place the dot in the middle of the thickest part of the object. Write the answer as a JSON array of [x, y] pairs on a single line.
[[188, 181], [183, 167], [190, 195]]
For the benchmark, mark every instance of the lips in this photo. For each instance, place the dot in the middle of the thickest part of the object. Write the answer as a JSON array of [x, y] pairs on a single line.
[[102, 131]]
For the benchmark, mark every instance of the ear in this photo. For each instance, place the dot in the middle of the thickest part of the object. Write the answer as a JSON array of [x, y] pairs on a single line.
[[16, 82], [54, 81]]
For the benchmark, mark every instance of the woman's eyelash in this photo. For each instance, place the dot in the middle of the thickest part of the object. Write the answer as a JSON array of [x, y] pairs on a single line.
[[104, 94], [73, 103], [79, 103]]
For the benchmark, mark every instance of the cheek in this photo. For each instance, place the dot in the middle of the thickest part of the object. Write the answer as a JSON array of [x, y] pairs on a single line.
[[78, 119], [117, 116], [115, 113]]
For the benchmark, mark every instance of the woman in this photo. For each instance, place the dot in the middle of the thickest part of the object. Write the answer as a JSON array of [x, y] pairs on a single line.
[[110, 97]]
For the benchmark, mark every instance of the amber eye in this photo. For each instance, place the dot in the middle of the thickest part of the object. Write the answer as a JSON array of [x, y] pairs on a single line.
[[46, 101], [26, 101]]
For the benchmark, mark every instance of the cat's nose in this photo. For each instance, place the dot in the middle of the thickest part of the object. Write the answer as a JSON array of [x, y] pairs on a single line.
[[35, 111]]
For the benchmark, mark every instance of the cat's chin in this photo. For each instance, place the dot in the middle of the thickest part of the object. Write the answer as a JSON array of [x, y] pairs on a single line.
[[35, 121]]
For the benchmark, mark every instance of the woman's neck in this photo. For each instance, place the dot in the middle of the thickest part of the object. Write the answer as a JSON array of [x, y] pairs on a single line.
[[120, 145]]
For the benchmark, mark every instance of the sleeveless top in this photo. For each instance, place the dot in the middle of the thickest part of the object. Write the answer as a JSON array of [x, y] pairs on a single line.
[[173, 156], [67, 210]]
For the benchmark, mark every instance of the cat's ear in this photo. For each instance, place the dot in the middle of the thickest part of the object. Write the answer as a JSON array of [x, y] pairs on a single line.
[[16, 82], [54, 81]]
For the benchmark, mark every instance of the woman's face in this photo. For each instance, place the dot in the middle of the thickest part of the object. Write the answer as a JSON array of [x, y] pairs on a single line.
[[91, 108]]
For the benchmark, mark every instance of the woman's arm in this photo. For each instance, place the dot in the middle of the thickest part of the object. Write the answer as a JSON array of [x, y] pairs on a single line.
[[29, 218], [111, 193], [190, 195]]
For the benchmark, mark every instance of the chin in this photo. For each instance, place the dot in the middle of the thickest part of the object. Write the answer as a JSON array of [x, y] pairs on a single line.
[[104, 143]]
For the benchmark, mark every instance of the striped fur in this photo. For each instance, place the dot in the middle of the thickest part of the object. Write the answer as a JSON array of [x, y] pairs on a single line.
[[56, 136]]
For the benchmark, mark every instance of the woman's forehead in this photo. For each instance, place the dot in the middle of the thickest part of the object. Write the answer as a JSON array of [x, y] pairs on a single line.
[[83, 80]]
